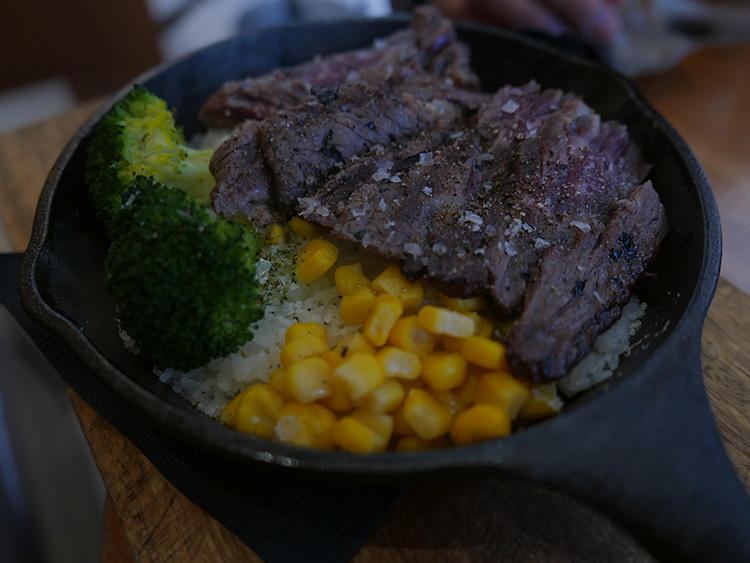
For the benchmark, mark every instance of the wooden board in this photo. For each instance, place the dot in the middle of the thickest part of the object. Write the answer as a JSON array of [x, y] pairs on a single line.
[[462, 518]]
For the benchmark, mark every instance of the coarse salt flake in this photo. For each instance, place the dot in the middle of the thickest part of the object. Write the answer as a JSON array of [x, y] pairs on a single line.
[[507, 247], [510, 106], [585, 227], [413, 248]]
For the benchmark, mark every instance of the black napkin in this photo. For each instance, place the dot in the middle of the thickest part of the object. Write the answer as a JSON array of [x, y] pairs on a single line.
[[280, 515]]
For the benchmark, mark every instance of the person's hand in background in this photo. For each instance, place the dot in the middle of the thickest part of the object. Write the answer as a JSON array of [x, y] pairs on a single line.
[[597, 21]]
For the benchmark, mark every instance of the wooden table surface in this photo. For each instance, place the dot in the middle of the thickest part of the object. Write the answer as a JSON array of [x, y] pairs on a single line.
[[707, 99]]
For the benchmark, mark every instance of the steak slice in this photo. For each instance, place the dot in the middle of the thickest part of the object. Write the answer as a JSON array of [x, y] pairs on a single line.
[[243, 182], [409, 206], [580, 290], [428, 47], [266, 166], [554, 164]]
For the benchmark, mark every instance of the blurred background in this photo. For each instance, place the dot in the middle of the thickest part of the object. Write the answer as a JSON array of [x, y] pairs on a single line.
[[55, 56]]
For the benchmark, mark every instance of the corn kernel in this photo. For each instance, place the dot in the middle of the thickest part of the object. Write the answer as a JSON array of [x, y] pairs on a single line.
[[443, 370], [451, 343], [304, 329], [385, 397], [230, 410], [304, 228], [410, 384], [309, 425], [466, 392], [502, 390], [358, 375], [401, 426], [352, 435], [333, 358], [484, 352], [350, 278], [308, 380], [426, 415], [275, 234], [257, 410], [479, 423], [482, 327], [448, 400], [542, 402], [277, 382], [315, 260], [408, 335], [465, 305], [338, 400], [415, 444], [393, 282], [438, 320], [356, 306], [302, 347], [399, 363], [381, 423], [353, 343], [385, 312]]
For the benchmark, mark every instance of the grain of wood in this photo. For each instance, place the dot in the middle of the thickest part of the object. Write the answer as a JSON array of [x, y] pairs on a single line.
[[726, 361], [115, 546]]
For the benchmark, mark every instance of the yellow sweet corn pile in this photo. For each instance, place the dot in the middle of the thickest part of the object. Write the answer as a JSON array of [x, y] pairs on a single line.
[[413, 376]]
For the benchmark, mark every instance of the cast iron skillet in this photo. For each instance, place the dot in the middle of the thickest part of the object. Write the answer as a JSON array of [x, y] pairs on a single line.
[[642, 446]]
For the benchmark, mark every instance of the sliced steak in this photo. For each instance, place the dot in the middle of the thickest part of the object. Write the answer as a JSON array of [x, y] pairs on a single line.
[[428, 47], [266, 166], [580, 290], [409, 206], [304, 147], [243, 183]]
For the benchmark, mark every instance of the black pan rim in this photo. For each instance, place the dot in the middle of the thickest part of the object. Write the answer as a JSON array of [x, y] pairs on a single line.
[[205, 432]]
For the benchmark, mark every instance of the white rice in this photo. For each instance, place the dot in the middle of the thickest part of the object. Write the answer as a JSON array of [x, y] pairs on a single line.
[[609, 347]]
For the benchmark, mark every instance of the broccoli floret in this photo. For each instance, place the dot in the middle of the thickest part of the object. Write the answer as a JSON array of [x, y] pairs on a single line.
[[138, 137], [182, 278], [183, 281]]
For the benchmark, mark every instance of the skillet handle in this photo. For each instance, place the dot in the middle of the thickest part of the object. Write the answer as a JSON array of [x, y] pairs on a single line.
[[648, 454]]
